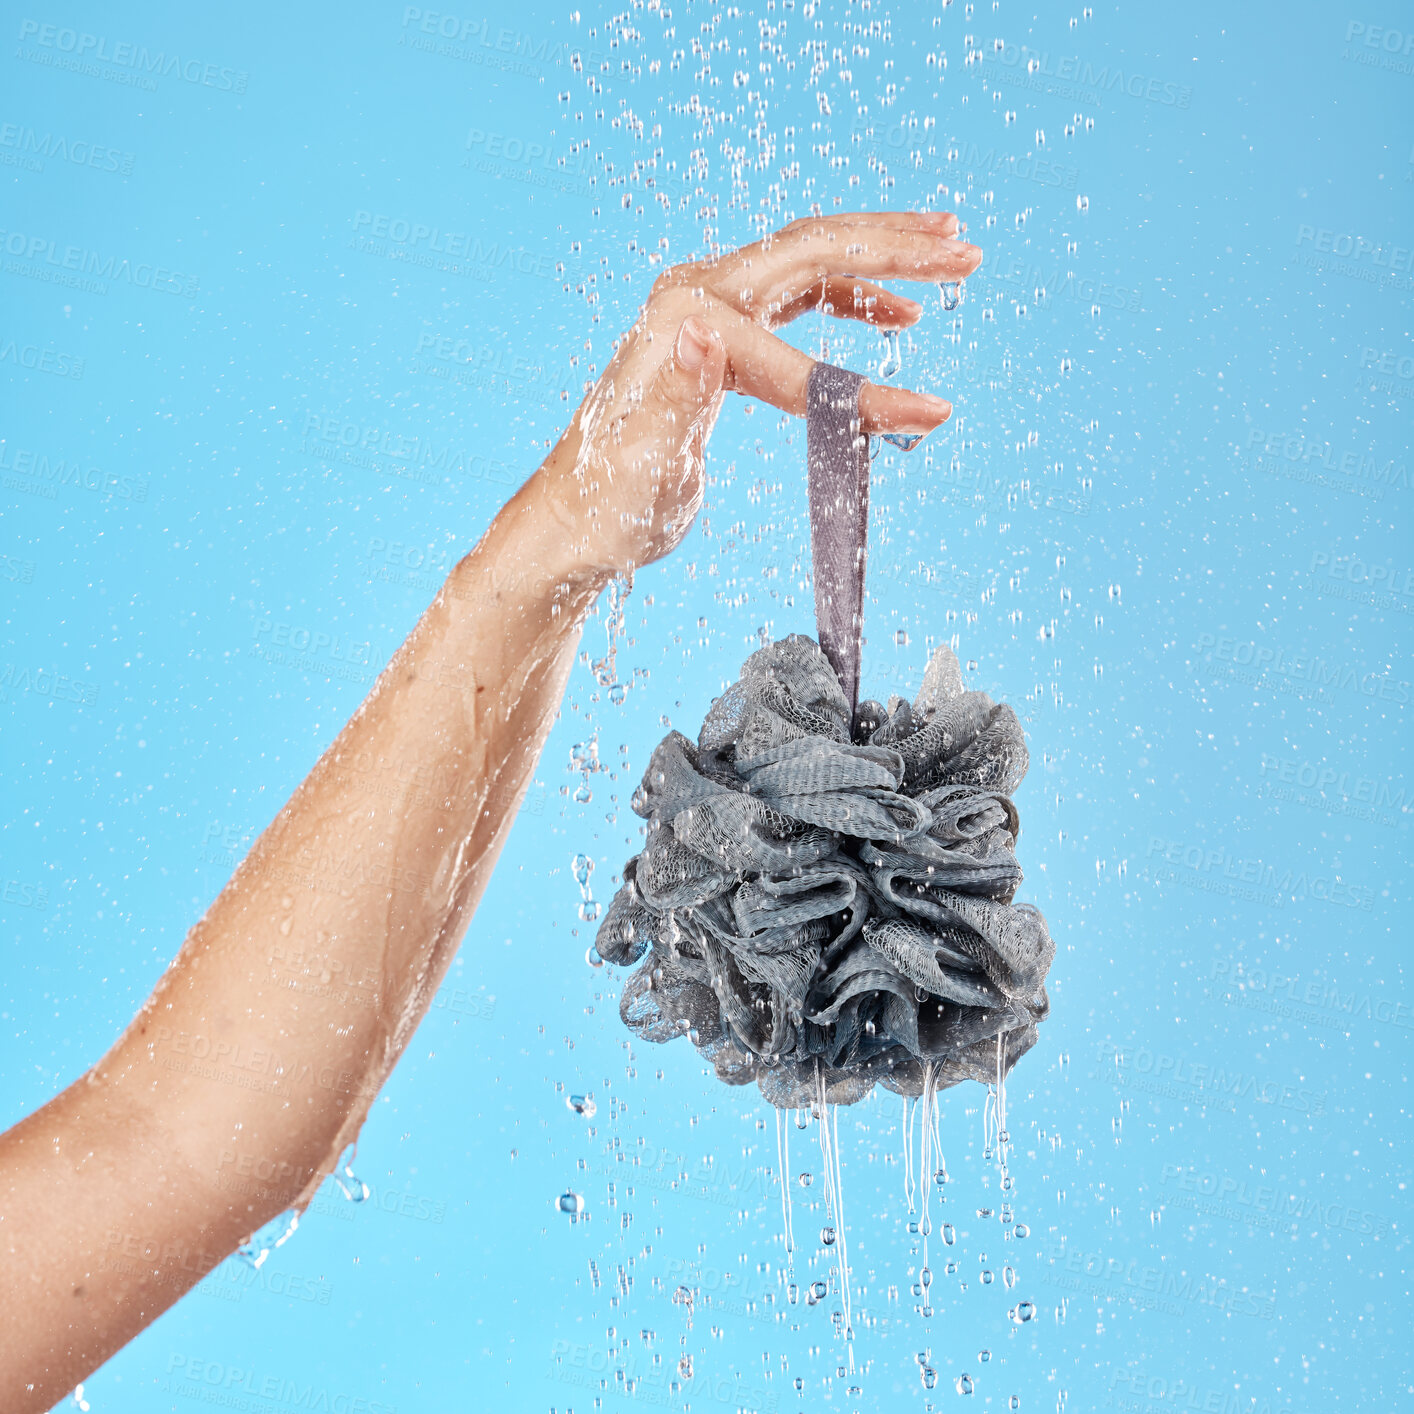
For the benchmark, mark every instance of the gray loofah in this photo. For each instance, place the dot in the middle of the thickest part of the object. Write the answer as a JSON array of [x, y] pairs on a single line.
[[811, 904]]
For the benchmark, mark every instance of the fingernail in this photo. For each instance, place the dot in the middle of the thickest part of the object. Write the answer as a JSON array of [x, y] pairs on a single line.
[[909, 306], [692, 345], [937, 404]]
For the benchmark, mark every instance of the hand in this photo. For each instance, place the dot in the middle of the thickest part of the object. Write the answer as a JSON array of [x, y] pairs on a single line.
[[627, 477]]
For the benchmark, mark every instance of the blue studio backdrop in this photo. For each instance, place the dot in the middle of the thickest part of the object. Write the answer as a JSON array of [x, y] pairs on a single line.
[[291, 300]]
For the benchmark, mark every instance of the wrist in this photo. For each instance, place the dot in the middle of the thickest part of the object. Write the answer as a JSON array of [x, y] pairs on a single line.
[[534, 556]]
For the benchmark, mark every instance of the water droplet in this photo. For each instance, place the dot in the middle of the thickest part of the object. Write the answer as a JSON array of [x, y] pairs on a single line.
[[589, 910], [592, 957], [571, 1203], [1082, 203], [892, 360], [817, 1292], [354, 1190], [988, 1278], [951, 291], [683, 1296], [582, 1105], [685, 1367], [949, 1234], [1022, 1231], [964, 1384], [984, 1355], [940, 1177], [827, 1236], [929, 1376], [1023, 1312], [806, 1179]]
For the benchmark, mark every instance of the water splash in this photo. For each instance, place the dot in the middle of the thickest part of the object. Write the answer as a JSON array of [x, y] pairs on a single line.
[[605, 669], [354, 1189], [892, 361], [583, 866], [889, 365], [828, 1124], [783, 1171], [258, 1246]]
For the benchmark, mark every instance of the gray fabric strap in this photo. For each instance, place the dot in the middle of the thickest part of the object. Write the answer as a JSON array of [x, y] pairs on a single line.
[[837, 454]]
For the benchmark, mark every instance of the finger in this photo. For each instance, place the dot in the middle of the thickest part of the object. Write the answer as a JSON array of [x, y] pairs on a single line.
[[870, 252], [867, 246], [787, 274], [746, 274], [884, 409], [762, 366], [938, 223], [683, 388], [854, 299]]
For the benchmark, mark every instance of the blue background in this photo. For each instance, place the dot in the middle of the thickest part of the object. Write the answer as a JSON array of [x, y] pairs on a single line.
[[1155, 524]]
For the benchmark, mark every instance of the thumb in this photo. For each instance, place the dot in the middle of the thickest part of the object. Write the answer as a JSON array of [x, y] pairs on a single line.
[[685, 385]]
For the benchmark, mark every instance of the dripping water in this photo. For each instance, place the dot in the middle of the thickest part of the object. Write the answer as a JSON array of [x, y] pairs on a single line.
[[834, 1197]]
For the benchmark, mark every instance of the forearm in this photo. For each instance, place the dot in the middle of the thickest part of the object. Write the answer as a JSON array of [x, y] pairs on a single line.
[[329, 942], [254, 1062]]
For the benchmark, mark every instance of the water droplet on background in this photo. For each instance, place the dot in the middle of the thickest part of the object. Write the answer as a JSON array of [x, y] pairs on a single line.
[[892, 359]]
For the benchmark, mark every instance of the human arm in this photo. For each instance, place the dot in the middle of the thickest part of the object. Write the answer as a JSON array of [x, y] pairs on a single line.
[[268, 1037]]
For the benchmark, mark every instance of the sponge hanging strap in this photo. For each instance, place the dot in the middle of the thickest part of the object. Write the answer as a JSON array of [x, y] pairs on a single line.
[[837, 455]]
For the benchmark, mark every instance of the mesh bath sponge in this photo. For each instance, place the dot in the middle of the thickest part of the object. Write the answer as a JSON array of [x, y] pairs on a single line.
[[808, 892], [824, 897]]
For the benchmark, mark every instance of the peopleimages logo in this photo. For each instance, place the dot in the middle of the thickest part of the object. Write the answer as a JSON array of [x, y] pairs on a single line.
[[414, 458], [1321, 786], [29, 147], [1251, 1203], [1349, 246], [1207, 1085], [214, 1382], [902, 138], [476, 39], [80, 51], [1354, 256], [1263, 659], [1317, 1001], [31, 356], [1082, 75], [1296, 449], [1106, 1272], [1179, 1391], [1283, 884], [42, 258], [50, 472]]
